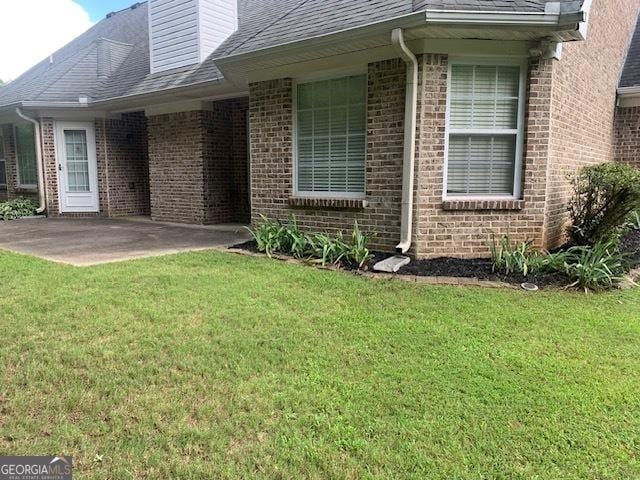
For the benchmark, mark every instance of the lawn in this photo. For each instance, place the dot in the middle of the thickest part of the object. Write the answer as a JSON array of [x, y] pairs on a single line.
[[210, 365]]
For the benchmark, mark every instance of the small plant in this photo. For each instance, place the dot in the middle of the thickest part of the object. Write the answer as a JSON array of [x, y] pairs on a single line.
[[267, 235], [519, 258], [272, 236], [595, 268], [604, 197], [19, 207], [358, 252], [327, 249], [634, 223]]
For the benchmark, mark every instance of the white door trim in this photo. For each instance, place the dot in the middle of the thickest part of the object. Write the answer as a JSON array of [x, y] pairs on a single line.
[[77, 202]]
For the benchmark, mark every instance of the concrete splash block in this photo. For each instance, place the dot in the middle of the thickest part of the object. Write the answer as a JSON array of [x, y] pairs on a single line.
[[392, 264]]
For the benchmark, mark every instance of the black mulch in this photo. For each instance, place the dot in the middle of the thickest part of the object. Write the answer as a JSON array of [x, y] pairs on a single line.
[[478, 268]]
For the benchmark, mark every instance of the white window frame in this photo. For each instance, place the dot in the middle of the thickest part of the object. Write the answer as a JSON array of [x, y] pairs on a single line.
[[3, 162], [318, 77], [23, 186], [519, 131]]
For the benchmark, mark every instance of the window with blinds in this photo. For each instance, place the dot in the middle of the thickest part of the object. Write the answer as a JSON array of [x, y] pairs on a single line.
[[3, 165], [331, 137], [484, 130], [26, 150]]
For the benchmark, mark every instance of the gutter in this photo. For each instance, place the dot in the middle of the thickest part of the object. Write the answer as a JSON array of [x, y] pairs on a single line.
[[39, 164], [629, 91], [551, 17], [409, 154]]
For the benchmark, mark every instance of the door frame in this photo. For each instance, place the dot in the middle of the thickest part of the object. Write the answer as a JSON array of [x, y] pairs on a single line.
[[89, 128]]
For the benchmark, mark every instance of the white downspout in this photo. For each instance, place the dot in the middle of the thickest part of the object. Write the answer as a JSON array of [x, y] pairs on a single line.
[[36, 128], [409, 155]]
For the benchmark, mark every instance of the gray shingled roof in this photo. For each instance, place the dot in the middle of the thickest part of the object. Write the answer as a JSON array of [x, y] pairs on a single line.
[[308, 18], [73, 71], [631, 72]]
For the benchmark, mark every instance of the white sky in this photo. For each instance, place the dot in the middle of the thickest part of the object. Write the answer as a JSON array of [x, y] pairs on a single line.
[[31, 30]]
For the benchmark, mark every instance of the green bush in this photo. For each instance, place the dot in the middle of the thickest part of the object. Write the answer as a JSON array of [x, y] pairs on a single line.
[[603, 198], [599, 267], [272, 236], [19, 207]]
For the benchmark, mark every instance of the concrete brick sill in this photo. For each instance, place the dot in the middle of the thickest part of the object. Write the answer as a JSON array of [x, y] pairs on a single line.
[[328, 203], [483, 204]]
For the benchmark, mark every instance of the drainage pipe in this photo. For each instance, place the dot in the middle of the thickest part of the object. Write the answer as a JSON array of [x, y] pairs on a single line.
[[409, 155], [40, 168]]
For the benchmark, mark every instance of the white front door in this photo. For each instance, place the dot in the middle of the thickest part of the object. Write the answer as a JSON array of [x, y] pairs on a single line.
[[77, 167]]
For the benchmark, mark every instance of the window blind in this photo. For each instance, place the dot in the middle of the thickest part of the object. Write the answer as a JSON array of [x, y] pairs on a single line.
[[26, 150], [483, 130], [331, 136]]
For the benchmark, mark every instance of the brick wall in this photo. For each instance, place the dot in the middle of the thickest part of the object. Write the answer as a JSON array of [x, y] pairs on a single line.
[[218, 165], [123, 170], [176, 179], [628, 135], [240, 158], [271, 130], [451, 228], [465, 229], [196, 159], [583, 104]]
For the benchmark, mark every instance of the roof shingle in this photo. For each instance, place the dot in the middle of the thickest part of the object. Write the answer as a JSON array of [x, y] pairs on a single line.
[[262, 24]]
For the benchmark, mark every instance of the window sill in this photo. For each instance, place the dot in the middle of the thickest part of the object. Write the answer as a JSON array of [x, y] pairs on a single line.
[[328, 203], [483, 204], [26, 189]]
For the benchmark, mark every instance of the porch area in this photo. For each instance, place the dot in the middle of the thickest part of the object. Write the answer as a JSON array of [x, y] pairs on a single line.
[[92, 241]]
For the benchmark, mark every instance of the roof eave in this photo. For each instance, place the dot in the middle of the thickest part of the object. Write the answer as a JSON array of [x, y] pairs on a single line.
[[629, 96], [563, 22]]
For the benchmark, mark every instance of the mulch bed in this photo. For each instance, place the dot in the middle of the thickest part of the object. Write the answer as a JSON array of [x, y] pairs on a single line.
[[477, 268], [480, 268]]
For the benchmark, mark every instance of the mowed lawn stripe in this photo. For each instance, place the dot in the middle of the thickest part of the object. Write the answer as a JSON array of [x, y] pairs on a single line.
[[211, 365]]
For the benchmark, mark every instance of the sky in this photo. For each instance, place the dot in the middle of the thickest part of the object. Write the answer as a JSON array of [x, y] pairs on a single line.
[[31, 30]]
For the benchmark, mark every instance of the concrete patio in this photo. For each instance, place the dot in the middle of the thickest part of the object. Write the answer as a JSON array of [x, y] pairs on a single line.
[[91, 241]]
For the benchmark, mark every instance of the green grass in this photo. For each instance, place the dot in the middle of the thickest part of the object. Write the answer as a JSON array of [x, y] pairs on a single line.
[[209, 365]]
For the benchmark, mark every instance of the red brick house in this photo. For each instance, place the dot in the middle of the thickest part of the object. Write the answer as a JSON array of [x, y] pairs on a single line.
[[433, 123]]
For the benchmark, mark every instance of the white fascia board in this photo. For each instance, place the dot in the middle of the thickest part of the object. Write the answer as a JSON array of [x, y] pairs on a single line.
[[584, 24], [470, 17], [532, 19], [629, 96], [628, 91]]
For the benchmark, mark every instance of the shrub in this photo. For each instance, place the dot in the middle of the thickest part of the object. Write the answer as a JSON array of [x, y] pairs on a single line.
[[595, 268], [604, 197], [19, 207]]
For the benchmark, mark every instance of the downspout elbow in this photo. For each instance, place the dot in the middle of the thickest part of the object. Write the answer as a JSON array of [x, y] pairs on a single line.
[[39, 164], [408, 160]]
